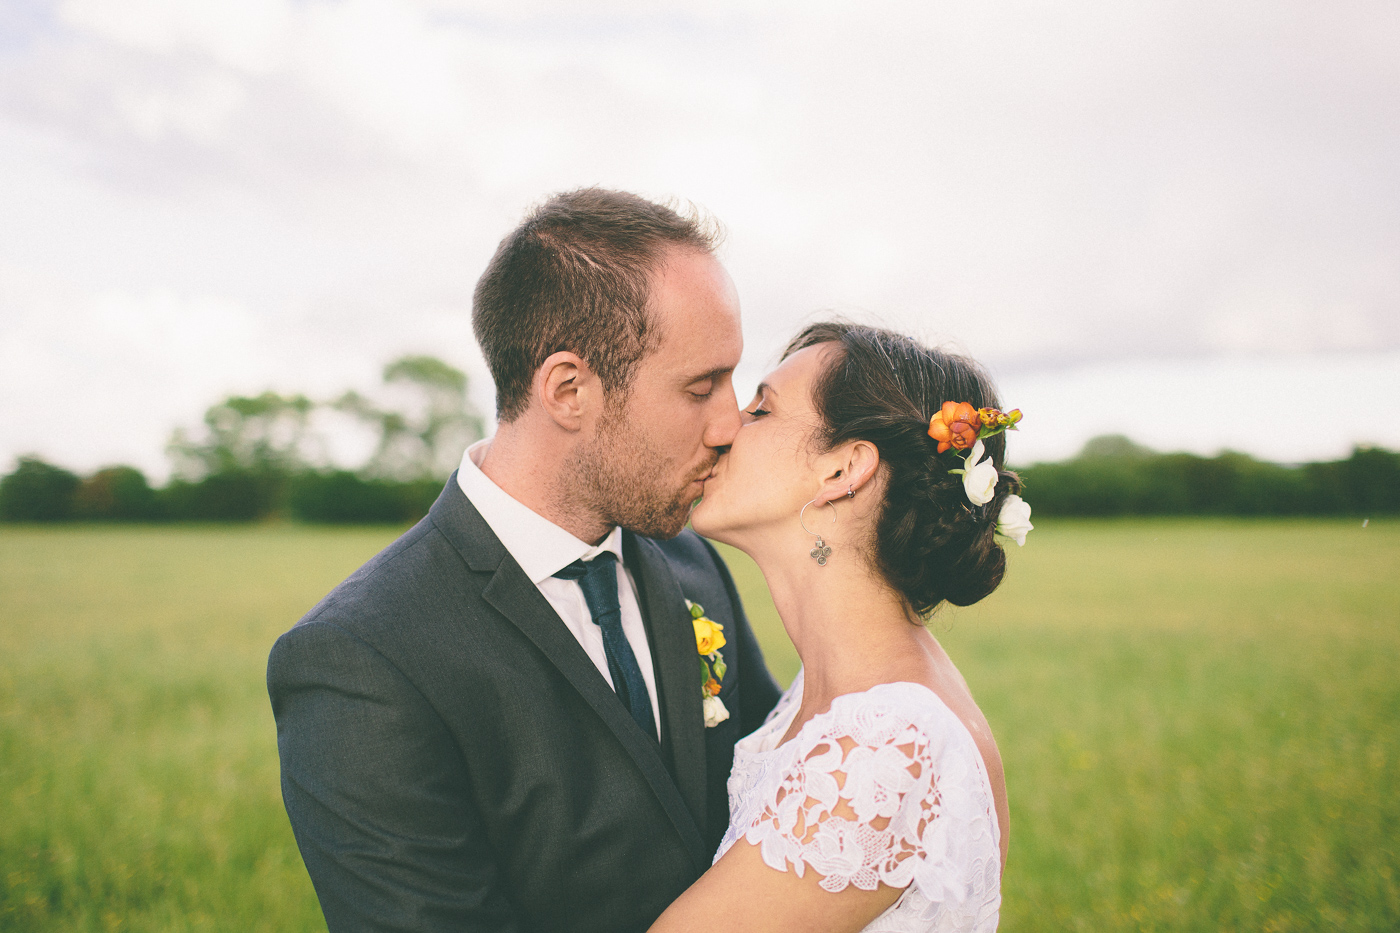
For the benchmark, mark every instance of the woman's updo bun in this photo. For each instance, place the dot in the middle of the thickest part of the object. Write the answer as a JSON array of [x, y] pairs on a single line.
[[931, 543]]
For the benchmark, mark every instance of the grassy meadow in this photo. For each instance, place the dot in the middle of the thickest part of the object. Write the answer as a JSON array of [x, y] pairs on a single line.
[[1200, 722]]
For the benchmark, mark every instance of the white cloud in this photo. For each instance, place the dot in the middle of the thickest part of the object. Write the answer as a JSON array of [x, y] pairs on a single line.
[[384, 66], [200, 109], [317, 184], [88, 378], [1286, 408], [93, 378], [248, 35]]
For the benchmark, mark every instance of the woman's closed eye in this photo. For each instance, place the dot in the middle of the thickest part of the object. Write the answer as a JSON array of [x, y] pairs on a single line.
[[756, 407]]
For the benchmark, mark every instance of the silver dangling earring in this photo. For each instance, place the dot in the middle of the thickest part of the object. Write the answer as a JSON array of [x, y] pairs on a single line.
[[823, 550]]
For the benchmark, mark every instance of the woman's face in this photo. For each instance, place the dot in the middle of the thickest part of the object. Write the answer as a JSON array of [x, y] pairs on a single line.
[[770, 471]]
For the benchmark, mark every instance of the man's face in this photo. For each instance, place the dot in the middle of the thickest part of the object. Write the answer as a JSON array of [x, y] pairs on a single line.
[[647, 462]]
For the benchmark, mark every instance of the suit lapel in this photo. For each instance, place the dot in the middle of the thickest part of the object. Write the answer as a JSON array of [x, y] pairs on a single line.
[[677, 667], [515, 597]]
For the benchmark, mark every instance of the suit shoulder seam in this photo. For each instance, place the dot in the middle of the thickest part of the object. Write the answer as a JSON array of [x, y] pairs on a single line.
[[398, 671]]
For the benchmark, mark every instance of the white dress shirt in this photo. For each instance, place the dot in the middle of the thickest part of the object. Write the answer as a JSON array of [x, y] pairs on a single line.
[[542, 548]]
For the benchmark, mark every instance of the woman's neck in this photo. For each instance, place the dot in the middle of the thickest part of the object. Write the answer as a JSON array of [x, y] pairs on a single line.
[[851, 629]]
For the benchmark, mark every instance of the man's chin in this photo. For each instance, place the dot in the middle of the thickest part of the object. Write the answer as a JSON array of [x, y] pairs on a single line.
[[676, 527], [667, 526]]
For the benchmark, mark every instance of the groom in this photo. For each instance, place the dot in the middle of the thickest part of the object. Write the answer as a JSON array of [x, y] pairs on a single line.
[[496, 724]]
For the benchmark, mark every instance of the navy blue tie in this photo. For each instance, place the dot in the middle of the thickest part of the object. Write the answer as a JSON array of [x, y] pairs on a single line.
[[598, 579]]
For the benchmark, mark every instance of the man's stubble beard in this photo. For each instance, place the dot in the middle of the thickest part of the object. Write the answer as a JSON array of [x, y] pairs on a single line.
[[620, 475]]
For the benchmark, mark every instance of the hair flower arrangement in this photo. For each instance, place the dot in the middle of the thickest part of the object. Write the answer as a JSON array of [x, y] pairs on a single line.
[[959, 426], [709, 638]]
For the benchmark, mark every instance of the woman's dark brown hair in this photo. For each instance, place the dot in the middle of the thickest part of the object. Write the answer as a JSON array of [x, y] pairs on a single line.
[[931, 543]]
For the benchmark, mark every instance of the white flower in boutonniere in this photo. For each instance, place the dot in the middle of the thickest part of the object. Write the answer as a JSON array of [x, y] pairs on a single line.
[[715, 713], [709, 638]]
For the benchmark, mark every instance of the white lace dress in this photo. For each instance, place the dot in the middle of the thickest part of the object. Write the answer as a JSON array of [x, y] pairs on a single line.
[[886, 786]]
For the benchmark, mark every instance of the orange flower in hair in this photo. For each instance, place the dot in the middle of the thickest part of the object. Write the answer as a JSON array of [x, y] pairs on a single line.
[[955, 425]]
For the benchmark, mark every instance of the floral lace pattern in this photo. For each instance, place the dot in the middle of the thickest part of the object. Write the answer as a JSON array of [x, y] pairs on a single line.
[[886, 786]]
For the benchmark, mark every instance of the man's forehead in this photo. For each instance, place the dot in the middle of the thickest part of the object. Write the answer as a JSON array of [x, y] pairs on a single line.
[[695, 312], [682, 366]]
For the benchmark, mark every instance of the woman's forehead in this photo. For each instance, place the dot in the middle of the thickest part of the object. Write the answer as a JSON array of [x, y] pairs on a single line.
[[799, 369]]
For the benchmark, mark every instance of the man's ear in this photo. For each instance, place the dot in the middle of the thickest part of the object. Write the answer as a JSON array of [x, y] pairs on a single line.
[[852, 466], [565, 387]]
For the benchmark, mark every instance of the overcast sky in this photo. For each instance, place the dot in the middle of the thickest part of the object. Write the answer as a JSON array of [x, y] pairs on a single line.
[[1178, 221]]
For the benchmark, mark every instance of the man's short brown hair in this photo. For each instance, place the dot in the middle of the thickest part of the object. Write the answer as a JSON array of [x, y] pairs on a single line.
[[576, 276]]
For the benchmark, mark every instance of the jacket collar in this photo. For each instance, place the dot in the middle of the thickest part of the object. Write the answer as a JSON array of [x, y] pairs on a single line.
[[539, 546], [674, 657], [511, 592]]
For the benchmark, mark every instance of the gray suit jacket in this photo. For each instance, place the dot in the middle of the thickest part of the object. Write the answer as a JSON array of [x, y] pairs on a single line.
[[452, 760]]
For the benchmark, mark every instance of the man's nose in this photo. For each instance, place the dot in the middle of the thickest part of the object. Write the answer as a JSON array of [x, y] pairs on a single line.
[[724, 423]]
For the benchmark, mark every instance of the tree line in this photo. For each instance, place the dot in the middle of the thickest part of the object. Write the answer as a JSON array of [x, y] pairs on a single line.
[[255, 457], [1114, 476], [266, 456]]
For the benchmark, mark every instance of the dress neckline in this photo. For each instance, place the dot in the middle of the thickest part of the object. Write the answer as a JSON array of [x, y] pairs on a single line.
[[795, 704], [788, 716]]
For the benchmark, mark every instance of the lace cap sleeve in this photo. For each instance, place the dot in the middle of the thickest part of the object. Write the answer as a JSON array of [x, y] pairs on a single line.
[[864, 795]]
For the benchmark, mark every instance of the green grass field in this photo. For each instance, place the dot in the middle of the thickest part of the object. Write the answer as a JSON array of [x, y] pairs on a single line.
[[1200, 722]]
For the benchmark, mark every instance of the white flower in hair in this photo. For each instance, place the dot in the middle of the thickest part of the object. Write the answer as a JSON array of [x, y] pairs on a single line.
[[1014, 519], [979, 479]]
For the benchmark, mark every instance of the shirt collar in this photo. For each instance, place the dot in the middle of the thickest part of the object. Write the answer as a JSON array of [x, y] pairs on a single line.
[[539, 546]]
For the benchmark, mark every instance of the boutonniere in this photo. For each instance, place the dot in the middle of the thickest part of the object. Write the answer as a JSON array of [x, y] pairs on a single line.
[[709, 638]]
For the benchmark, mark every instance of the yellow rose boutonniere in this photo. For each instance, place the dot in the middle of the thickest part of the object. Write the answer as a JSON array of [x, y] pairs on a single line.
[[709, 638], [709, 634]]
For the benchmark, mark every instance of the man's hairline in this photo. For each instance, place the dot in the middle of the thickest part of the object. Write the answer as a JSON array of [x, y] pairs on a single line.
[[619, 394], [657, 336]]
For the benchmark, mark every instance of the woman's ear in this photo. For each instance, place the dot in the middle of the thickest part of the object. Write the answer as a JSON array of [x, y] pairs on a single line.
[[565, 387], [853, 466]]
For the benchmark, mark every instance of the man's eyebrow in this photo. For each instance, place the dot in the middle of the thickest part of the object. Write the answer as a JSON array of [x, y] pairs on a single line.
[[712, 374]]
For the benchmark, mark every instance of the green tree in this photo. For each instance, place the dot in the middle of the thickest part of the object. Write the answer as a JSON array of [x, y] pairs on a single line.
[[426, 440], [118, 493], [262, 434], [37, 492], [240, 467], [1114, 476], [340, 496], [1366, 483], [1114, 447]]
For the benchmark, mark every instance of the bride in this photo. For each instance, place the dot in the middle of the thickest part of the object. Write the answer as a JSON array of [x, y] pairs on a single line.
[[868, 493]]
